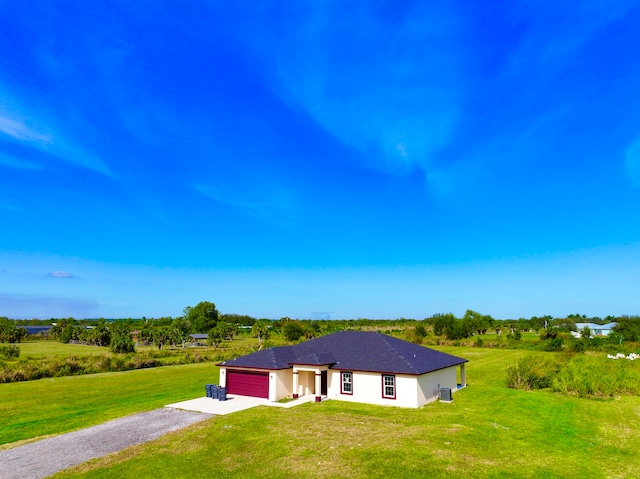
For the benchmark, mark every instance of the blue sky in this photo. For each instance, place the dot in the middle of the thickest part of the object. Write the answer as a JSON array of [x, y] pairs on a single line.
[[320, 159]]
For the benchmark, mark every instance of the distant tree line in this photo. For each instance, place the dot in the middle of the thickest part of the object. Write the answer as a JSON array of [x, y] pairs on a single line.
[[205, 318]]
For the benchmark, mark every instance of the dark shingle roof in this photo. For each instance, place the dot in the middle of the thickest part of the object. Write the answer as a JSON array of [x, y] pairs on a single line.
[[315, 359], [36, 329], [199, 336], [353, 351]]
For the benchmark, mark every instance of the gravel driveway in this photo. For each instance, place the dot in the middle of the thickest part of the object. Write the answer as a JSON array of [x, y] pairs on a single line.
[[44, 458]]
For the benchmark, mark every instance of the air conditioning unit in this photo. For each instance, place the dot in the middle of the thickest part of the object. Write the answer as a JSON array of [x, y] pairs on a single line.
[[445, 395]]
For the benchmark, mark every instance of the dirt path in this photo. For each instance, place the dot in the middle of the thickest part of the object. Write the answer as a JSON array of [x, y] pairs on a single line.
[[44, 458]]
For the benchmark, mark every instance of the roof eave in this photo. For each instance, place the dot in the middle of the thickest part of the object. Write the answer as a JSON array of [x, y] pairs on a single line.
[[406, 373], [292, 363], [234, 366]]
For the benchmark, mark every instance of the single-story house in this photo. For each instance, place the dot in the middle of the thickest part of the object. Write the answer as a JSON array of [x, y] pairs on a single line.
[[356, 366], [596, 329]]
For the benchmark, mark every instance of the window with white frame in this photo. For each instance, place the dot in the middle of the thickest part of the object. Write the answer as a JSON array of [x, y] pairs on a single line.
[[388, 386], [347, 383]]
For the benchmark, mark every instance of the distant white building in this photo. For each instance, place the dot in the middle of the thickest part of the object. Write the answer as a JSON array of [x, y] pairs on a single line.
[[596, 329]]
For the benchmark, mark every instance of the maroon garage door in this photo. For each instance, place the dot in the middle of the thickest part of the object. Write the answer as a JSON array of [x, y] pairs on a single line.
[[248, 383]]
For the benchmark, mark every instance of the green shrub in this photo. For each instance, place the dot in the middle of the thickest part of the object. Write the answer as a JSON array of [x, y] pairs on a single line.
[[140, 362], [122, 343], [553, 344], [577, 375], [10, 351], [614, 338], [292, 331], [532, 372], [588, 376], [577, 346], [516, 336], [420, 331], [67, 334], [413, 335]]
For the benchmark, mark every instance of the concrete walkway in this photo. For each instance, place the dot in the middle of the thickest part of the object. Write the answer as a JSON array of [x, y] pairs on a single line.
[[234, 404], [43, 458]]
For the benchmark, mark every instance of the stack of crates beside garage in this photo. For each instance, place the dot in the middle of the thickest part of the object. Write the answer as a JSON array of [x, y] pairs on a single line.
[[211, 390], [222, 393]]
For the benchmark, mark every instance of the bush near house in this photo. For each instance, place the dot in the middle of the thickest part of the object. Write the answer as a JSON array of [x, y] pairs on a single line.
[[532, 372], [590, 376], [580, 375]]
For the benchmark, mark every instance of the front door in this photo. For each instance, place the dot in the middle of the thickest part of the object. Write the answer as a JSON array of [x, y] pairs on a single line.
[[323, 383]]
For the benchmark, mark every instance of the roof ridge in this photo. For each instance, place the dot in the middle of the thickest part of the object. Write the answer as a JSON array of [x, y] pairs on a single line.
[[384, 339]]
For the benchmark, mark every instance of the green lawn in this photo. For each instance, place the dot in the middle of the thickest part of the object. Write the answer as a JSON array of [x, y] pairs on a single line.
[[45, 349], [488, 431], [493, 336], [52, 406]]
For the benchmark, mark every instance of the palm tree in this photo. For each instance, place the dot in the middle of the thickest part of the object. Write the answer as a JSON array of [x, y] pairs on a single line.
[[260, 330]]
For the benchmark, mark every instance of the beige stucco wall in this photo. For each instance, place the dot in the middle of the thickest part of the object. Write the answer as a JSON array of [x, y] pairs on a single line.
[[281, 382], [367, 388], [306, 382], [429, 384], [307, 379], [411, 391]]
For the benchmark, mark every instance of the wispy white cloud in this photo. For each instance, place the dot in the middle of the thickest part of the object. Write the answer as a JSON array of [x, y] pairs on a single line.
[[79, 156], [391, 90], [61, 274], [19, 126], [552, 30], [20, 131]]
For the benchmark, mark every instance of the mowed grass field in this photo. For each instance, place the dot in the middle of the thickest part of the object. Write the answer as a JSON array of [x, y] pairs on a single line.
[[35, 409], [488, 430], [51, 348], [46, 349]]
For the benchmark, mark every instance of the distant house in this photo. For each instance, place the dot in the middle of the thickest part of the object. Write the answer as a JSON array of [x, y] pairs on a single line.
[[356, 366], [198, 338], [37, 330], [596, 329]]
